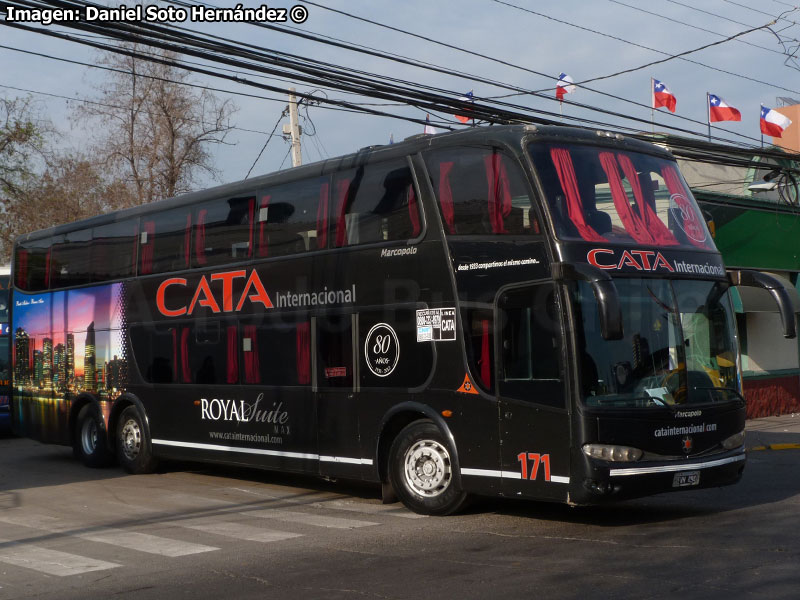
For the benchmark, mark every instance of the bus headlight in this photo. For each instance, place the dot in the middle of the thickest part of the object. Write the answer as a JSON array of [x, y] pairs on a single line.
[[734, 441], [612, 453]]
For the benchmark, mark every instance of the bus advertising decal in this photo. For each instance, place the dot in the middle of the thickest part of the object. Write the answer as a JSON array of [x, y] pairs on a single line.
[[382, 350], [254, 292], [482, 266], [436, 324], [241, 411], [647, 260]]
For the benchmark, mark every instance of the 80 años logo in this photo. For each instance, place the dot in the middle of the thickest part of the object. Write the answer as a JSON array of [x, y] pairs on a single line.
[[381, 350]]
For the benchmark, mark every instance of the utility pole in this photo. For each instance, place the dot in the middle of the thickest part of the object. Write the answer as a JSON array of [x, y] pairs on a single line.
[[293, 130]]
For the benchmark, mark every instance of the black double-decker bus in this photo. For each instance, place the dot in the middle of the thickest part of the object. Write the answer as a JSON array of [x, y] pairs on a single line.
[[533, 312]]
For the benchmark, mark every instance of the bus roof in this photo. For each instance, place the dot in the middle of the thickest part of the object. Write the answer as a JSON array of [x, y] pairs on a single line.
[[508, 134]]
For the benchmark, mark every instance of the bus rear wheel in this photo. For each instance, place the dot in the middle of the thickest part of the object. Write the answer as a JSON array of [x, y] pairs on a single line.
[[421, 470], [133, 446], [90, 442]]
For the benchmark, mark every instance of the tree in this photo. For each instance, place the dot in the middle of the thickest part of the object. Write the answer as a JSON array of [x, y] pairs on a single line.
[[70, 188], [22, 145], [156, 132]]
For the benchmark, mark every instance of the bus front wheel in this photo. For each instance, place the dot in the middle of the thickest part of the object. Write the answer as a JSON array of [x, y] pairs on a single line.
[[90, 443], [133, 447], [421, 470]]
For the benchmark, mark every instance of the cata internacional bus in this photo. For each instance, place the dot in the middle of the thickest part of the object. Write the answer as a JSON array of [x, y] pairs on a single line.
[[532, 312]]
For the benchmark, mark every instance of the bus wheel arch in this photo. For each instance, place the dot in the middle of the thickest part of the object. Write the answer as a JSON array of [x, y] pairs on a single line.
[[89, 435], [417, 456]]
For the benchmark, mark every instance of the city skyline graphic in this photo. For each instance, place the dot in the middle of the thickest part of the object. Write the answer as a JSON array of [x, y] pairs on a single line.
[[70, 341]]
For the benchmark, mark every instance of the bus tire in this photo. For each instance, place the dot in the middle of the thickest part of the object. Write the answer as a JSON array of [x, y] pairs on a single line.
[[133, 446], [90, 442], [421, 470]]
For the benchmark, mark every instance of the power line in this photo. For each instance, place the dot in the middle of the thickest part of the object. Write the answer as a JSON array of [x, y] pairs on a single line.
[[269, 137], [679, 22], [637, 45]]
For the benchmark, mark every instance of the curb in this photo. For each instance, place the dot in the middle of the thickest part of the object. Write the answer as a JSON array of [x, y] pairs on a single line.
[[775, 447]]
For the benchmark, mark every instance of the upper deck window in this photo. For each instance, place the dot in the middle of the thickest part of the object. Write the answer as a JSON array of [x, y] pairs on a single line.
[[606, 195], [374, 203], [223, 232], [481, 191]]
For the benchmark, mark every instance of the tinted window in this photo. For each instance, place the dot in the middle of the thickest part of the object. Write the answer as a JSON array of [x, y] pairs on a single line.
[[479, 341], [277, 353], [481, 191], [292, 218], [335, 351], [222, 231], [204, 352], [32, 266], [374, 203], [114, 250], [529, 325], [165, 241], [70, 262]]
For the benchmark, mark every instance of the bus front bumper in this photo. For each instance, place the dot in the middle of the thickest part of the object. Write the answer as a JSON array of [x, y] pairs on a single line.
[[609, 482]]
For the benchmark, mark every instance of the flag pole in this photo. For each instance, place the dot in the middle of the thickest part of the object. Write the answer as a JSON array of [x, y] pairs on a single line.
[[653, 104], [708, 109]]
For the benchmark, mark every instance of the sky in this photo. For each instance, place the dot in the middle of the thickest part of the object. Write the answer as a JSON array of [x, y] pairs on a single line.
[[583, 38]]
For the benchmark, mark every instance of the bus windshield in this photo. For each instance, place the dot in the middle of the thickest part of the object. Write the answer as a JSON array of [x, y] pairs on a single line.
[[678, 345], [606, 195]]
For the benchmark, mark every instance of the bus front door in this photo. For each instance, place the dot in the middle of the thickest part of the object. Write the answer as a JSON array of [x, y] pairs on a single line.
[[534, 422]]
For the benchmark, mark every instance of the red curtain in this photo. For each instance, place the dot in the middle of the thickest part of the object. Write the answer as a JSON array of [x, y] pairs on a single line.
[[658, 231], [47, 258], [446, 196], [263, 238], [485, 361], [149, 228], [135, 247], [322, 216], [251, 220], [303, 353], [187, 239], [413, 212], [569, 183], [186, 371], [690, 222], [233, 355], [342, 193], [633, 224], [499, 191], [21, 274], [175, 353], [200, 237], [252, 370]]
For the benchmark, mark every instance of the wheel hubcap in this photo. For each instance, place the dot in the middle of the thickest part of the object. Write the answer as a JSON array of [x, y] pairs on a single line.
[[89, 437], [427, 468], [131, 439]]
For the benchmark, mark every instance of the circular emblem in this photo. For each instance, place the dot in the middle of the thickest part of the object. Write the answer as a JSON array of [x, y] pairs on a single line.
[[686, 444], [382, 350], [686, 217]]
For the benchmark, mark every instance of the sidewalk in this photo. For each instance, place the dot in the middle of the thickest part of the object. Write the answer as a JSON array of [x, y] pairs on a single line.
[[773, 433]]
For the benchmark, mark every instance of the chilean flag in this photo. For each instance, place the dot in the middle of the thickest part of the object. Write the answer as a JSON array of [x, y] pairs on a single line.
[[565, 85], [719, 111], [465, 98], [772, 122], [663, 97]]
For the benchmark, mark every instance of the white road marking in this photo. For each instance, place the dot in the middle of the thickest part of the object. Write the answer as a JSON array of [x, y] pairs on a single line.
[[307, 518], [52, 562], [132, 540], [239, 531], [371, 509]]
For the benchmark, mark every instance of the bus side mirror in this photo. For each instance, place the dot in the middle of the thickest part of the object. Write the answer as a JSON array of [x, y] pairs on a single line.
[[749, 278], [604, 291]]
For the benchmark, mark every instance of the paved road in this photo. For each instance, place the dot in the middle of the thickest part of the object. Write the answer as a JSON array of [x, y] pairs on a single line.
[[208, 532]]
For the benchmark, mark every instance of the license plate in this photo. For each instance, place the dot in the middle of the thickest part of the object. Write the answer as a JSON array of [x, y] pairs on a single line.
[[686, 478]]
